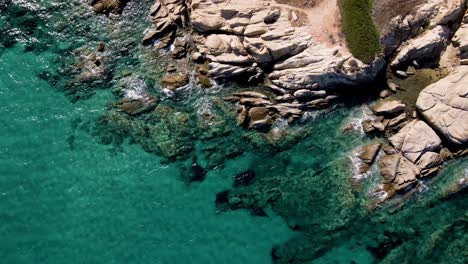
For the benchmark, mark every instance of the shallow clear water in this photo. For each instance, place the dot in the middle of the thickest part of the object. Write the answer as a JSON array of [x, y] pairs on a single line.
[[80, 182], [64, 198]]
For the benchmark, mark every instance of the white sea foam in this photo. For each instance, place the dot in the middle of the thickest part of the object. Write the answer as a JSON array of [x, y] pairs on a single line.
[[135, 89]]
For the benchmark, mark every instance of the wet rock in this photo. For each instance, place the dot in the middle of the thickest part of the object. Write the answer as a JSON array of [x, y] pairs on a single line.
[[171, 68], [370, 126], [108, 6], [287, 110], [180, 48], [444, 105], [174, 80], [243, 179], [136, 107], [367, 155], [203, 77], [259, 118], [398, 171], [388, 107], [242, 116], [166, 17]]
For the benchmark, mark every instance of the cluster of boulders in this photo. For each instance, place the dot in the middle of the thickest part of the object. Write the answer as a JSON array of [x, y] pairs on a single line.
[[92, 64], [414, 149], [259, 111], [166, 17], [390, 115], [256, 39], [418, 147], [108, 6]]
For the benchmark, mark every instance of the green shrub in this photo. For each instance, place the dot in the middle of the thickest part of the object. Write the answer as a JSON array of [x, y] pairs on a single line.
[[362, 36]]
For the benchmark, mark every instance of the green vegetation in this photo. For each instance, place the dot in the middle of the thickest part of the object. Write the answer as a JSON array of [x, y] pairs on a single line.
[[362, 36]]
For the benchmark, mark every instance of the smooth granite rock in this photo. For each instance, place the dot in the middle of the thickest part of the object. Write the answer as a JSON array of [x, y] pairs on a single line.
[[444, 105]]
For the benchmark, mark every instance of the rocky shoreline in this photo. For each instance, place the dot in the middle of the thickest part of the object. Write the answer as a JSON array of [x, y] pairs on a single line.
[[260, 43]]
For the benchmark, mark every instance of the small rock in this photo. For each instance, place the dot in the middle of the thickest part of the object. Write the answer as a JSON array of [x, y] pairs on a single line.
[[384, 94], [259, 118], [171, 68], [284, 98], [101, 47], [392, 86], [388, 107], [401, 74], [176, 80], [197, 56], [242, 116], [302, 94], [251, 94]]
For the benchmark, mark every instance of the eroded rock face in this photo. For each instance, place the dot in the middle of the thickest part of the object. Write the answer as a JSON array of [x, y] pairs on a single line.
[[166, 16], [444, 105], [427, 46], [367, 155], [398, 171], [430, 14], [255, 38], [418, 143]]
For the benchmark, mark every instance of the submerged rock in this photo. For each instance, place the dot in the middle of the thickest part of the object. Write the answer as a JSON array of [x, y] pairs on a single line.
[[174, 80], [243, 179]]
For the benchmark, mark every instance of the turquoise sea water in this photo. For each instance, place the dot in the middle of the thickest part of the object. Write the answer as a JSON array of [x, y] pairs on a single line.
[[83, 183], [64, 198]]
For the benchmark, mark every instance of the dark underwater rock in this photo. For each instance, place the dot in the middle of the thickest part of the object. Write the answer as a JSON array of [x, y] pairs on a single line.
[[198, 173], [243, 179]]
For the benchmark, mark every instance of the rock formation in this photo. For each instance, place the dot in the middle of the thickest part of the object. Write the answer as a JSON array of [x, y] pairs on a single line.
[[108, 6], [429, 14], [444, 105], [166, 17], [255, 39], [427, 46]]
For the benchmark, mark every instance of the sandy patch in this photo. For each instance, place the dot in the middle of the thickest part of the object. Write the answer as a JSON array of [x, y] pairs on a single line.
[[321, 19]]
